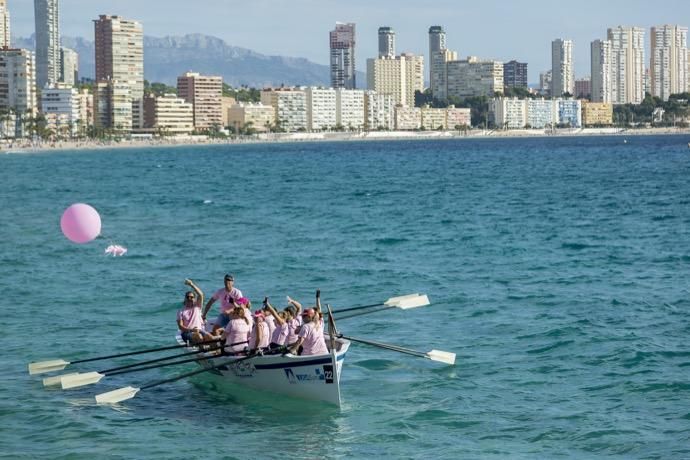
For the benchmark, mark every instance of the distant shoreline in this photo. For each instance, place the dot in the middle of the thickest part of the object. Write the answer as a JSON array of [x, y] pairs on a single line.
[[269, 138]]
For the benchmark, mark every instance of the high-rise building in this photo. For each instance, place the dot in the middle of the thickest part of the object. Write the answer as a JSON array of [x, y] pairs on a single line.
[[669, 62], [515, 74], [205, 93], [386, 42], [602, 71], [400, 77], [4, 25], [18, 84], [628, 64], [545, 80], [474, 77], [379, 111], [69, 66], [342, 39], [120, 58], [47, 16], [439, 73], [113, 105], [563, 76], [437, 43]]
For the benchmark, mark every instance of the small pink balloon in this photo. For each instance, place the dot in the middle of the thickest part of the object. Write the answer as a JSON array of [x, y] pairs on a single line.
[[80, 223]]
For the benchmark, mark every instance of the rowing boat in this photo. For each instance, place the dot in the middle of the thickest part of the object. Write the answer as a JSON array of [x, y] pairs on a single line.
[[315, 377]]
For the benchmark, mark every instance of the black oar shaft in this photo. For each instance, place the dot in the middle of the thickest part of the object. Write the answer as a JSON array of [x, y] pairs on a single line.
[[387, 346], [157, 366], [150, 361], [138, 352]]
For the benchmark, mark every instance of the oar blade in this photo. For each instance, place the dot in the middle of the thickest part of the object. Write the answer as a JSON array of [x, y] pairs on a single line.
[[115, 396], [414, 302], [442, 356], [47, 366], [56, 379], [393, 301], [80, 380]]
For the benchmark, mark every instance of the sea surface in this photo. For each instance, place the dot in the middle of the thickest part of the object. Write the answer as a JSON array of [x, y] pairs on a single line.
[[558, 270]]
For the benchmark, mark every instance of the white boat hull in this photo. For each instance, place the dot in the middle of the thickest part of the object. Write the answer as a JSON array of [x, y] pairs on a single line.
[[306, 377]]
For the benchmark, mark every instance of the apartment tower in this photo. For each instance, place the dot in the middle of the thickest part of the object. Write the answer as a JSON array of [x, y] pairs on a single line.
[[563, 77], [628, 64], [342, 41], [386, 42], [205, 93], [437, 44], [47, 16], [120, 58], [4, 25], [515, 74], [602, 71], [669, 61]]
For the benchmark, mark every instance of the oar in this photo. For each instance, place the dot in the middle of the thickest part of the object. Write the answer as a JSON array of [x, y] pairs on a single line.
[[124, 393], [59, 364], [434, 355], [89, 378], [404, 302]]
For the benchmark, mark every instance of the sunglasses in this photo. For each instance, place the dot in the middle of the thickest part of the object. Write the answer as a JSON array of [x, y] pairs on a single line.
[[190, 297]]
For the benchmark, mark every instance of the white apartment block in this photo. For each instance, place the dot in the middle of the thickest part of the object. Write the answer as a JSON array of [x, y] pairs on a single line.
[[562, 71], [628, 63], [570, 112], [290, 106], [205, 93], [47, 20], [113, 105], [349, 109], [458, 117], [61, 106], [669, 62], [321, 109], [434, 119], [168, 114], [473, 77], [4, 25], [18, 83], [400, 77], [541, 113], [408, 118], [379, 111], [258, 116], [602, 71], [509, 113], [439, 72], [69, 66]]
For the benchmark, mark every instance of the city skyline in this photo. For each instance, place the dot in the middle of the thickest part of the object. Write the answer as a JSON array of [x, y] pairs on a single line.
[[466, 26]]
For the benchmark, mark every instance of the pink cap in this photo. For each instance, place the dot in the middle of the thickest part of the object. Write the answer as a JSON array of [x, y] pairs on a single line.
[[242, 301], [258, 314]]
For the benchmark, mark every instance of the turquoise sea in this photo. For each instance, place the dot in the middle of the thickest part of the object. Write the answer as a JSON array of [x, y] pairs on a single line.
[[558, 271]]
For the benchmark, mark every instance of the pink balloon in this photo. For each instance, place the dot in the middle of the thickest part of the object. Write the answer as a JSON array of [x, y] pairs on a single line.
[[80, 223]]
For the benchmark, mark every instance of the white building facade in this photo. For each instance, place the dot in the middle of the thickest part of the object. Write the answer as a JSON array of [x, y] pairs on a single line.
[[61, 106], [562, 71], [669, 61], [349, 109], [602, 71], [628, 64], [290, 106], [474, 77], [379, 111], [321, 109]]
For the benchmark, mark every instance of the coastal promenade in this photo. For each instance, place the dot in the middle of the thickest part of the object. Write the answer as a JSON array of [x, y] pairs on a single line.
[[28, 146]]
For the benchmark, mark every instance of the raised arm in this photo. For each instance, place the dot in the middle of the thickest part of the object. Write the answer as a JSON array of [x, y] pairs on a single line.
[[273, 311], [199, 292], [297, 305]]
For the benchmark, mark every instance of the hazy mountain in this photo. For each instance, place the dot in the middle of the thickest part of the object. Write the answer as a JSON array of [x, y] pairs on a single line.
[[168, 57]]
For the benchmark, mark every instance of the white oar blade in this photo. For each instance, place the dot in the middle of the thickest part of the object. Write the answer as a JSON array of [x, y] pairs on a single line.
[[115, 396], [47, 366], [56, 379], [442, 356], [392, 302], [80, 380], [414, 302]]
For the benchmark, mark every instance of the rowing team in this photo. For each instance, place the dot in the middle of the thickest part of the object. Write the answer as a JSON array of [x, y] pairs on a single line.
[[301, 331]]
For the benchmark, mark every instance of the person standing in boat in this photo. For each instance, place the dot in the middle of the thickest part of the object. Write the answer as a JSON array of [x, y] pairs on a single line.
[[236, 333], [310, 337], [227, 296], [260, 335], [280, 333], [295, 321], [189, 319]]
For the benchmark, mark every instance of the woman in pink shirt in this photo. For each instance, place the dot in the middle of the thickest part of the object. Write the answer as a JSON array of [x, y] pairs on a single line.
[[237, 331], [280, 333], [310, 335], [260, 336]]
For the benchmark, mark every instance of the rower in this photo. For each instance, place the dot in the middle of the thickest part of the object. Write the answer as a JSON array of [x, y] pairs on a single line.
[[310, 337]]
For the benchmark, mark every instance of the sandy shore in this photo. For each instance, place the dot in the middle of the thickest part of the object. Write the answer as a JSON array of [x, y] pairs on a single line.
[[24, 146]]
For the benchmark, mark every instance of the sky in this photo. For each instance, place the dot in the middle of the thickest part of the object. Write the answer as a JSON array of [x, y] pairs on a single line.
[[490, 29]]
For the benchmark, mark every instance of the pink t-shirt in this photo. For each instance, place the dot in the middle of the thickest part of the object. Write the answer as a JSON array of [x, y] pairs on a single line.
[[314, 343], [237, 331], [280, 334], [271, 321], [191, 317], [226, 297], [265, 335], [293, 324]]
